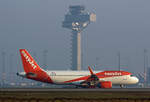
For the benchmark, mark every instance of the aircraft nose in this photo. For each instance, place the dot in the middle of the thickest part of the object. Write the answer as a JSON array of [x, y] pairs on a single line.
[[136, 80]]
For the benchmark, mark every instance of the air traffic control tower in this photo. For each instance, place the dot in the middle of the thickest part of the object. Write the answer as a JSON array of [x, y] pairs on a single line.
[[77, 19]]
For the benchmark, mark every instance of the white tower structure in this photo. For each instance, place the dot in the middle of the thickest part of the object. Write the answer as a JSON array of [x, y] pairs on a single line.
[[77, 19]]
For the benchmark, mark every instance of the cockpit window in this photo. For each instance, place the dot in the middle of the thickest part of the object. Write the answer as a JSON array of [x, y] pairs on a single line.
[[131, 75]]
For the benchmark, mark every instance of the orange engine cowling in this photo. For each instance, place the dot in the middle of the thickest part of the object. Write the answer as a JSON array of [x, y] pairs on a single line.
[[106, 84]]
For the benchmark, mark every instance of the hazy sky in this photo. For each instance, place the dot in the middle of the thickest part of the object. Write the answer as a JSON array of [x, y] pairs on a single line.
[[122, 25]]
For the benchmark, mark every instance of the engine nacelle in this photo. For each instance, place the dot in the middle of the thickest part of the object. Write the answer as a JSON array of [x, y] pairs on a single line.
[[106, 84]]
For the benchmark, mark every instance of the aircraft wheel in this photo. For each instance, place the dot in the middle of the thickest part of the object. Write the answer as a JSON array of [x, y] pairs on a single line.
[[122, 86], [76, 87]]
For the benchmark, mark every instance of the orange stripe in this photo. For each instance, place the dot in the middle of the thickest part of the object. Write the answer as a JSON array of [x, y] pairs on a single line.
[[101, 75]]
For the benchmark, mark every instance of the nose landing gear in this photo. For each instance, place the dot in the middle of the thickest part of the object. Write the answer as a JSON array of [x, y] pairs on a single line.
[[122, 86]]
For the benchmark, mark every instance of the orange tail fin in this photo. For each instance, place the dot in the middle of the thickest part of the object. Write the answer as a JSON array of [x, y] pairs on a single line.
[[28, 62], [32, 69]]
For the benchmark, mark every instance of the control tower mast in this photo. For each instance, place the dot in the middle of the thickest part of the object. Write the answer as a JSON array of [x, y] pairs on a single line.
[[77, 19]]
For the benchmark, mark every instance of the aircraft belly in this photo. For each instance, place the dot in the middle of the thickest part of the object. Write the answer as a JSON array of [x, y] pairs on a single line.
[[118, 80], [62, 79], [114, 80]]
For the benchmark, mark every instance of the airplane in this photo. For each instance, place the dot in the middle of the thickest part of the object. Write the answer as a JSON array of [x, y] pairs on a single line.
[[82, 79]]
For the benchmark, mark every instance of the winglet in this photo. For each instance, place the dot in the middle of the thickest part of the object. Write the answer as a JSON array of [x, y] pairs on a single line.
[[91, 71]]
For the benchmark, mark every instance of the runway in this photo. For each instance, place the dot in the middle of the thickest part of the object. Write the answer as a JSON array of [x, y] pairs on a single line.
[[74, 95], [77, 90]]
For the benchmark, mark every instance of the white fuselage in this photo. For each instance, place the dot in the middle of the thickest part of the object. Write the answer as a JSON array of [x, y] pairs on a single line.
[[59, 77]]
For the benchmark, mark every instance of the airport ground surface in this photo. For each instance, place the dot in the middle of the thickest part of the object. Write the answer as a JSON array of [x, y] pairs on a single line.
[[74, 95]]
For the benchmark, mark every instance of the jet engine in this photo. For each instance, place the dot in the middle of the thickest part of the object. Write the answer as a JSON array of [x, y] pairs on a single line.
[[106, 84]]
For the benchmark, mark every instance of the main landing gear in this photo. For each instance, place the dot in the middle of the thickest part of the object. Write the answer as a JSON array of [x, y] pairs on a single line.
[[122, 86]]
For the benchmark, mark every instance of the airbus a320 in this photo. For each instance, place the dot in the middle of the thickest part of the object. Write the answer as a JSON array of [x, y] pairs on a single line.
[[83, 79]]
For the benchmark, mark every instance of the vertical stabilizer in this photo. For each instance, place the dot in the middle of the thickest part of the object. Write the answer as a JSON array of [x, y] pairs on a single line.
[[28, 62], [32, 69]]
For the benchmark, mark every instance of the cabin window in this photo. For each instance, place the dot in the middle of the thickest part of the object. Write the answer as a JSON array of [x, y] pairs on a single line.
[[53, 74]]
